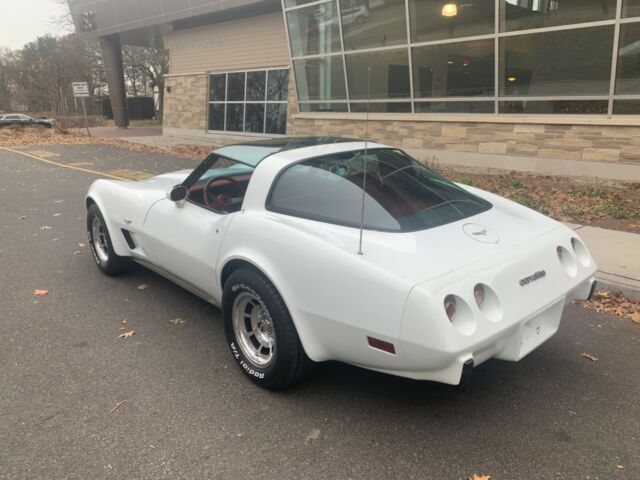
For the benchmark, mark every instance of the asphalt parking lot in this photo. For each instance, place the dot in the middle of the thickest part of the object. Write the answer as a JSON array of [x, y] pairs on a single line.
[[188, 412]]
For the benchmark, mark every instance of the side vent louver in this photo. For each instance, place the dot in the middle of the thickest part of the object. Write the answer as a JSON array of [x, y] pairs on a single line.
[[129, 238]]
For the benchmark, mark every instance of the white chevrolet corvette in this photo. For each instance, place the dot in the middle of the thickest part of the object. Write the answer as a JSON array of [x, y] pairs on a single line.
[[332, 249]]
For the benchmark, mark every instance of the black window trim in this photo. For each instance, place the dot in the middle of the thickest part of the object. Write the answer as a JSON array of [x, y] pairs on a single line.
[[332, 221]]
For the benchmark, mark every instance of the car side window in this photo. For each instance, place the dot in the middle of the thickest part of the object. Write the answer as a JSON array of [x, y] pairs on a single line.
[[222, 186], [400, 193]]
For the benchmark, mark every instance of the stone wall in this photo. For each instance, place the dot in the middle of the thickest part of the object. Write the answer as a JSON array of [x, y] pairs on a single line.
[[620, 144], [185, 105]]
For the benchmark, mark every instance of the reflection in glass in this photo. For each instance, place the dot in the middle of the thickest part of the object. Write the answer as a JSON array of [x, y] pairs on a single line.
[[454, 69], [276, 118], [569, 62], [235, 117], [254, 121], [216, 116], [630, 8], [628, 75], [323, 107], [320, 78], [293, 3], [314, 30], [566, 107], [373, 23], [389, 74], [455, 107], [278, 84], [431, 21], [626, 107], [382, 107], [256, 85], [525, 14], [217, 85], [235, 87]]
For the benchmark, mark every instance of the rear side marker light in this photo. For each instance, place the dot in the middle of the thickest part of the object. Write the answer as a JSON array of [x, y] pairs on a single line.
[[450, 307], [381, 345]]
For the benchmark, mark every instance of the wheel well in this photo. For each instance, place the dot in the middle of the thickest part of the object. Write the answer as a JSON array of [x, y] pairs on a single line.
[[89, 201], [234, 265]]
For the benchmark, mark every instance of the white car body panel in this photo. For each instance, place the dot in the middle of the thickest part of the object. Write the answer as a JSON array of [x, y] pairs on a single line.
[[393, 292]]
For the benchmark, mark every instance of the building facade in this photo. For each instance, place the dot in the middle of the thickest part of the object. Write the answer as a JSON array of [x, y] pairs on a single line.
[[550, 85]]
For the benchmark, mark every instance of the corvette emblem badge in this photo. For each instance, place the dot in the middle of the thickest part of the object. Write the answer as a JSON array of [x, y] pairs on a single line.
[[480, 233]]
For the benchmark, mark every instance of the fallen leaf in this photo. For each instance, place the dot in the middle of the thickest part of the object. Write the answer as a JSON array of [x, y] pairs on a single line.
[[127, 334], [178, 321], [39, 293], [124, 322], [143, 286], [475, 476], [22, 217], [635, 317], [116, 406], [56, 214], [81, 245], [590, 357], [152, 446], [77, 252], [45, 227], [620, 467]]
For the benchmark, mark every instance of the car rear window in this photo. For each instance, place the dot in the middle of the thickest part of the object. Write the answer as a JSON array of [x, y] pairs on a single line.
[[401, 194]]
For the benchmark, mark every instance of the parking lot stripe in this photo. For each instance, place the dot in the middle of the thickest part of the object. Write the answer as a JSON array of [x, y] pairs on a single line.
[[62, 165]]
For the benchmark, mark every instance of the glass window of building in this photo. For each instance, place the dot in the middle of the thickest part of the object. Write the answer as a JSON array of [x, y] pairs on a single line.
[[314, 30], [568, 62], [626, 107], [565, 107], [320, 78], [454, 69], [528, 14], [389, 74], [630, 8], [373, 23], [382, 107], [455, 107], [437, 19], [255, 101], [323, 107], [628, 75]]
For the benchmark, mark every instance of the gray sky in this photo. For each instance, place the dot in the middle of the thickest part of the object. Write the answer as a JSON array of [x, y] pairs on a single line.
[[21, 21]]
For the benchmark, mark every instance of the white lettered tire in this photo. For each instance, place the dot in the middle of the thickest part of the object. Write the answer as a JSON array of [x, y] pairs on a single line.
[[260, 332]]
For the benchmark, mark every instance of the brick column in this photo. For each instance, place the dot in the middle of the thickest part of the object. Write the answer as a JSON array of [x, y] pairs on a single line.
[[112, 58]]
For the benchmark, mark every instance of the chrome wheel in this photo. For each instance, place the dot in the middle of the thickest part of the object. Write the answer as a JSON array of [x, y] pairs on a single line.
[[99, 238], [253, 329]]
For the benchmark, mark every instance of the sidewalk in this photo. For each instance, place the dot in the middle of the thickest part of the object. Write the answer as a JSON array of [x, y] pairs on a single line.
[[617, 255]]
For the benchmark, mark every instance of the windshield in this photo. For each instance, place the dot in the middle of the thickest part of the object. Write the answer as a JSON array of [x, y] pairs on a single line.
[[401, 193]]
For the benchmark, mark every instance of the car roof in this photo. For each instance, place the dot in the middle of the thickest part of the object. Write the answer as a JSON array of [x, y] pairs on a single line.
[[252, 153]]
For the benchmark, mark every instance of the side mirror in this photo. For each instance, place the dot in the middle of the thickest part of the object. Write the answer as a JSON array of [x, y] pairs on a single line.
[[177, 193]]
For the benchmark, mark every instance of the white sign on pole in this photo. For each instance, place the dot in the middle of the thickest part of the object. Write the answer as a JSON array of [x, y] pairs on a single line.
[[80, 89]]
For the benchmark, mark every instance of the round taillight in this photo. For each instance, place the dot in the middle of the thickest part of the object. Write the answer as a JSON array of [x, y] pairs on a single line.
[[450, 306], [581, 252], [478, 294]]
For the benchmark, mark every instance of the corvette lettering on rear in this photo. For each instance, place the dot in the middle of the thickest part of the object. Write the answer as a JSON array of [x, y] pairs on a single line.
[[532, 278]]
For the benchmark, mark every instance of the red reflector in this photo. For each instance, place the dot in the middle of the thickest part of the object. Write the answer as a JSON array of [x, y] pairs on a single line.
[[381, 345]]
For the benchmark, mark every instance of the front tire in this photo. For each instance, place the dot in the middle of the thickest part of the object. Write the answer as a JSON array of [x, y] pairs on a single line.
[[101, 246], [260, 332]]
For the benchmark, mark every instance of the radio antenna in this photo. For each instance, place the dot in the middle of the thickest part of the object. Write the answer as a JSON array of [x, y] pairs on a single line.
[[364, 159]]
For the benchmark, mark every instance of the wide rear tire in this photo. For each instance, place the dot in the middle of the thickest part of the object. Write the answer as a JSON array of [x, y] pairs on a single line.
[[101, 246], [260, 332]]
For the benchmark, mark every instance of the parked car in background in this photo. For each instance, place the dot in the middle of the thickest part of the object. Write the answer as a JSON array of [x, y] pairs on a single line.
[[20, 119]]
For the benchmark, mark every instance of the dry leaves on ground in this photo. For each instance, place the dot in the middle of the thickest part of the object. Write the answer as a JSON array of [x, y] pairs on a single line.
[[142, 286], [178, 321], [116, 406], [127, 334], [40, 293], [614, 303], [593, 358]]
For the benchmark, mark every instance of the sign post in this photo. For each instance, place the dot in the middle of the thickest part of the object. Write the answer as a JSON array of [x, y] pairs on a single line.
[[81, 91]]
